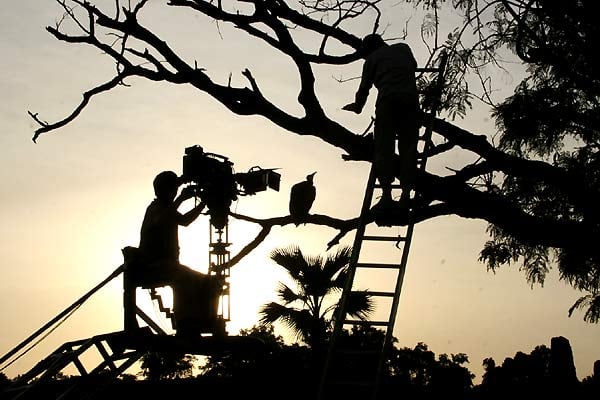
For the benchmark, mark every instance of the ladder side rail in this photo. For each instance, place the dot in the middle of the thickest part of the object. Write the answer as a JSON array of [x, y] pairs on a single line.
[[341, 312], [387, 342], [400, 280], [434, 109], [411, 226], [356, 247]]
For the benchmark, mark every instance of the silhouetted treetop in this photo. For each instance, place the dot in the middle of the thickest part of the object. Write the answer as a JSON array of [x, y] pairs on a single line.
[[535, 181]]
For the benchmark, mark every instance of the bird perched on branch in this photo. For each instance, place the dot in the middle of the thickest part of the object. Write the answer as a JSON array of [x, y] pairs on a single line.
[[302, 196]]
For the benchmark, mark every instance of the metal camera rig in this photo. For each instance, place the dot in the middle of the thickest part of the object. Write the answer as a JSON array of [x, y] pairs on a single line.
[[213, 179]]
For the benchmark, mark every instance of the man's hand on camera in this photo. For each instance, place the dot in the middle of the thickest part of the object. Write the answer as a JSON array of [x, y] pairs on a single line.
[[188, 192]]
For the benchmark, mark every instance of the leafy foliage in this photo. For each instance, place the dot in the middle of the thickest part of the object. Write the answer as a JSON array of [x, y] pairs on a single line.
[[418, 367], [4, 381], [274, 358], [158, 366], [552, 116], [520, 375]]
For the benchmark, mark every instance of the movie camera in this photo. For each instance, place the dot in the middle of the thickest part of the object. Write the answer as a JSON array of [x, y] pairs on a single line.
[[212, 178]]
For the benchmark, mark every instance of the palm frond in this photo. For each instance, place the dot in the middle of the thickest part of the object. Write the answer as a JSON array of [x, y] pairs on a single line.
[[286, 294], [360, 305], [591, 304], [340, 279], [325, 280], [337, 262], [296, 320], [291, 259], [313, 262]]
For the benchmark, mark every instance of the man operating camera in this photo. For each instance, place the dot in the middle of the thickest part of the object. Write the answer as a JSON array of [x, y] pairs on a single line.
[[159, 240], [194, 293]]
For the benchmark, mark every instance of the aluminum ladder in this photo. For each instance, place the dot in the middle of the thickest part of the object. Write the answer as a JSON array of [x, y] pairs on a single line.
[[343, 361]]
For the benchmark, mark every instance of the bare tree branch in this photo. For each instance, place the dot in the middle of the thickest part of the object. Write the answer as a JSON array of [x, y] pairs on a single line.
[[487, 189], [47, 127]]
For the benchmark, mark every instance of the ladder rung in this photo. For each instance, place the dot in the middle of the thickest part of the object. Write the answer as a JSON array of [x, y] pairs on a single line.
[[393, 186], [377, 265], [385, 238], [366, 323], [379, 294]]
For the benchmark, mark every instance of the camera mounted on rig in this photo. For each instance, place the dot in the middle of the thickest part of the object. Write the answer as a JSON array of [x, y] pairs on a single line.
[[214, 180]]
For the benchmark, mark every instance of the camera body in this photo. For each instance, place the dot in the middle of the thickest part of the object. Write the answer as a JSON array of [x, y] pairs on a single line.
[[209, 172], [214, 180]]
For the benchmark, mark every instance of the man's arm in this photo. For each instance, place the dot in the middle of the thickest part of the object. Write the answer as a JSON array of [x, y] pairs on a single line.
[[191, 215], [366, 82]]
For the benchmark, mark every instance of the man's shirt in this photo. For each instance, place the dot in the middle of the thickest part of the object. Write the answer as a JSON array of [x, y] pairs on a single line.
[[391, 69], [159, 238]]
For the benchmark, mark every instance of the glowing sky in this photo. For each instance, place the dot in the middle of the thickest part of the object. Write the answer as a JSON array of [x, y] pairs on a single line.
[[72, 201]]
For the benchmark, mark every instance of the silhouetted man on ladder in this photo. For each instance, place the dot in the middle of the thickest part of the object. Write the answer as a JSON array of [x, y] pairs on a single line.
[[391, 69]]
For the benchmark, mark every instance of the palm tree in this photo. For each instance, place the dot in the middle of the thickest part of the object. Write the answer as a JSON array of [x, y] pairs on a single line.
[[308, 308]]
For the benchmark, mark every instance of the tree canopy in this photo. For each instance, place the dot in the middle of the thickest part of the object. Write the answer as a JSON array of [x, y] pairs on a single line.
[[534, 180]]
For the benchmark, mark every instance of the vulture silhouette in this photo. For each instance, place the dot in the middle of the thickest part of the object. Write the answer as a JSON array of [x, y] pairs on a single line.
[[302, 197]]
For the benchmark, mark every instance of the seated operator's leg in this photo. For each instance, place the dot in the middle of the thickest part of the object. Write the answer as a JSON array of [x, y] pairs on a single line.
[[139, 272], [195, 300]]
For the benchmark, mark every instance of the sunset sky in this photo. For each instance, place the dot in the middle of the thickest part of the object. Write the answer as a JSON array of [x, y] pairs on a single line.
[[71, 202]]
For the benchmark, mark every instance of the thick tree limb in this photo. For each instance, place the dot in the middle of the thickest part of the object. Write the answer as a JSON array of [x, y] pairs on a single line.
[[516, 166], [344, 226]]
